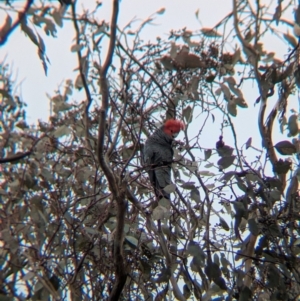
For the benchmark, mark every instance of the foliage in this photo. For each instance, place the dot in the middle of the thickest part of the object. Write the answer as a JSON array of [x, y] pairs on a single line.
[[61, 208]]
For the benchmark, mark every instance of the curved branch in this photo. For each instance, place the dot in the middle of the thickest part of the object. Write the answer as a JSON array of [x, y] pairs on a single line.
[[113, 181], [14, 158], [82, 73]]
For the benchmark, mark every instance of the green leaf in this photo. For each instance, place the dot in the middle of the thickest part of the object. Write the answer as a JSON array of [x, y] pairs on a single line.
[[187, 114], [227, 176], [236, 56], [193, 248], [170, 188], [194, 84], [212, 270], [210, 33], [38, 286], [230, 80], [253, 226], [206, 173], [50, 27], [127, 152], [186, 291], [55, 281], [164, 276], [241, 184], [131, 241], [278, 12], [191, 166], [225, 151], [188, 185], [225, 263], [165, 203], [223, 224], [231, 108], [29, 32], [274, 230], [285, 148], [161, 11], [240, 208], [226, 91], [248, 143], [27, 277], [57, 16], [207, 154], [159, 213], [198, 260], [45, 172], [220, 282], [293, 125], [62, 131], [76, 47], [273, 276], [245, 294], [216, 259], [225, 162], [78, 82], [290, 39], [195, 195], [241, 102]]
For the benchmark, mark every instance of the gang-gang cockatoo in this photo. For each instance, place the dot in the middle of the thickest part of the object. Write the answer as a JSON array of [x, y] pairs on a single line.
[[158, 155]]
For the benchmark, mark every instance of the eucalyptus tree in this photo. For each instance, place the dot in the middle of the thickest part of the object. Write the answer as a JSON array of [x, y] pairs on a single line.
[[78, 218]]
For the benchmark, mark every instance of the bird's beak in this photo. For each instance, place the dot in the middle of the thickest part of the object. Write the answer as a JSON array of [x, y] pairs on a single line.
[[175, 135]]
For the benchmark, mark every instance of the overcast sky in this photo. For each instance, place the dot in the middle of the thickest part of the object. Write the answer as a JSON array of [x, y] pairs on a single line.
[[22, 54]]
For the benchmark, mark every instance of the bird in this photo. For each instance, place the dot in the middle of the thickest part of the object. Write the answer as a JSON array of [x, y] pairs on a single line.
[[158, 156]]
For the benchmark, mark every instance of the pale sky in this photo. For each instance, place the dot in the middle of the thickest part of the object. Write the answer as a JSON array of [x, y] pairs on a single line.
[[20, 51], [21, 54]]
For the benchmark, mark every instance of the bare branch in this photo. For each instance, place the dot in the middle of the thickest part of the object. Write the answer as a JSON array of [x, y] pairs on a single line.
[[81, 71], [14, 158]]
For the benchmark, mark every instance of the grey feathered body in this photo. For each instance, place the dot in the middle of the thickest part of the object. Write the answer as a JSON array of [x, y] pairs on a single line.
[[158, 155]]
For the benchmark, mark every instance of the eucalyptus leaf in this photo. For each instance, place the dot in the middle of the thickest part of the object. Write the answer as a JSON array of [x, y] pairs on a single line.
[[223, 224], [207, 154], [132, 241], [253, 226], [285, 148], [159, 213], [293, 125], [195, 195], [225, 162], [170, 188]]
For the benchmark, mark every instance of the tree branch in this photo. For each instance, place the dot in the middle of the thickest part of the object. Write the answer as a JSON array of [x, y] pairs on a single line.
[[113, 181], [82, 74], [14, 158]]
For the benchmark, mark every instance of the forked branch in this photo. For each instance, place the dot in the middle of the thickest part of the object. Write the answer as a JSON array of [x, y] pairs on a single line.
[[113, 181]]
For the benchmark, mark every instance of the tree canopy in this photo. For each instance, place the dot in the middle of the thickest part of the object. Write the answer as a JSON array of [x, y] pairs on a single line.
[[77, 220]]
